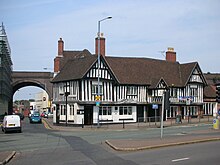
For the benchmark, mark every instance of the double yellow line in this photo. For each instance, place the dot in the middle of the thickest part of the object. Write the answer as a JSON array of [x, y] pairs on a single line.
[[46, 125]]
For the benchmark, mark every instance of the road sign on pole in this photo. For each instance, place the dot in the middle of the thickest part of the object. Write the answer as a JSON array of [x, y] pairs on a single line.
[[97, 103]]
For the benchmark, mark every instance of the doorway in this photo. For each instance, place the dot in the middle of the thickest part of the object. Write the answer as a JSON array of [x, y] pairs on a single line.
[[88, 115]]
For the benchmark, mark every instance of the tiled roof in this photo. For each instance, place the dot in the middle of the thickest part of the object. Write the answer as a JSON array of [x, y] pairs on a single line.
[[75, 68], [70, 55], [212, 80], [134, 71], [145, 71], [209, 92]]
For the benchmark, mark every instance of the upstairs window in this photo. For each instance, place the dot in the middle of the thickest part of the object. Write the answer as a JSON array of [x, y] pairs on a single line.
[[95, 89], [173, 92], [132, 90], [194, 92]]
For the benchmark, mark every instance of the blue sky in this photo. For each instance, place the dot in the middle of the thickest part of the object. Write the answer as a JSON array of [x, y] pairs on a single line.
[[139, 28]]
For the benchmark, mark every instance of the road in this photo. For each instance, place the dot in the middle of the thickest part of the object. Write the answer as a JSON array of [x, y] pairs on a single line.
[[202, 154], [37, 145]]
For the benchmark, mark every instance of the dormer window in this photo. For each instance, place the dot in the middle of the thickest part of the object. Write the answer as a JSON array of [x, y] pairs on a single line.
[[193, 90]]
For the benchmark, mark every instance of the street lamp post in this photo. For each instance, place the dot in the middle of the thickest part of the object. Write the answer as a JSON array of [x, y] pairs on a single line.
[[67, 93], [99, 27]]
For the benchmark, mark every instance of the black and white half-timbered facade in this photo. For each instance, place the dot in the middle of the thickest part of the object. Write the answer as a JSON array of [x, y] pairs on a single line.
[[129, 88]]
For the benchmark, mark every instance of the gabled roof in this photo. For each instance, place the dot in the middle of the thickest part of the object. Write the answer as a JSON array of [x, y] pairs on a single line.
[[133, 71], [75, 68], [186, 71], [70, 55], [149, 71]]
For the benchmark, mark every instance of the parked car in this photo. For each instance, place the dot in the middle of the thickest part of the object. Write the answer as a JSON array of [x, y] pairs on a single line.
[[44, 114], [20, 115], [35, 118], [11, 123], [50, 115]]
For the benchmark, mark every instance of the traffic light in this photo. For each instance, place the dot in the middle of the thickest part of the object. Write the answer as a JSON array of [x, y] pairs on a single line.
[[167, 100], [218, 94]]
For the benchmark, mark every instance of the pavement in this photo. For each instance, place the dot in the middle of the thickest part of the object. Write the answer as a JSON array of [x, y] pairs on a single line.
[[175, 140], [199, 136], [6, 156]]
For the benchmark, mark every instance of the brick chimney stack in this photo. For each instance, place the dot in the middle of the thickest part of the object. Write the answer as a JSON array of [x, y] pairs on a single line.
[[57, 59], [170, 55], [102, 45], [60, 47]]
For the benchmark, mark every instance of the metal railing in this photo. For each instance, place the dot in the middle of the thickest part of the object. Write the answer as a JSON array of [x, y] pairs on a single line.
[[150, 121], [145, 122]]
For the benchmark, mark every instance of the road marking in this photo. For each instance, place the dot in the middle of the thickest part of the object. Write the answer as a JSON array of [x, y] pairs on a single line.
[[181, 159]]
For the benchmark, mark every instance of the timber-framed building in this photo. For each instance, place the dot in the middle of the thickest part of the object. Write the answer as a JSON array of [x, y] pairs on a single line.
[[130, 87]]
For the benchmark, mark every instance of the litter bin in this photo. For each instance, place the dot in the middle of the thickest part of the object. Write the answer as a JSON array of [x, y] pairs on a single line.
[[215, 124], [178, 119]]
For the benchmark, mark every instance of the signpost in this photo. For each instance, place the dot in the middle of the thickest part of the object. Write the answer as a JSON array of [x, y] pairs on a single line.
[[155, 107], [162, 112]]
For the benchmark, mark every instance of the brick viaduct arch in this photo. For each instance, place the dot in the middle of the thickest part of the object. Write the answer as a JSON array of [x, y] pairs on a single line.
[[24, 79], [38, 79]]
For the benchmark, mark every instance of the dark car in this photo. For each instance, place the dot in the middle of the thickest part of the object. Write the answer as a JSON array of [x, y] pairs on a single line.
[[20, 115], [35, 118]]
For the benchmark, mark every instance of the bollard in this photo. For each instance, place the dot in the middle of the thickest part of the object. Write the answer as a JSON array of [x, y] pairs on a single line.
[[82, 124], [123, 123], [215, 123]]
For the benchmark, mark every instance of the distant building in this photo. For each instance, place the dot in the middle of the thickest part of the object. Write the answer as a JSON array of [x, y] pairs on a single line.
[[41, 102], [130, 87], [21, 106], [5, 72], [210, 104]]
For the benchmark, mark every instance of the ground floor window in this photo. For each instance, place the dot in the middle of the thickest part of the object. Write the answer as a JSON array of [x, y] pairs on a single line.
[[125, 110], [191, 111], [172, 112], [71, 109], [63, 109], [105, 110], [208, 108]]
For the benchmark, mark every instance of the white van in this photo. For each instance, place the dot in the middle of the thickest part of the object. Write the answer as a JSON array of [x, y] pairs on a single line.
[[11, 123]]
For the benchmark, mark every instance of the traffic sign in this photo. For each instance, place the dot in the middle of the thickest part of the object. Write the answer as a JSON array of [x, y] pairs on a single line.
[[219, 112], [97, 103], [97, 98], [154, 106]]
